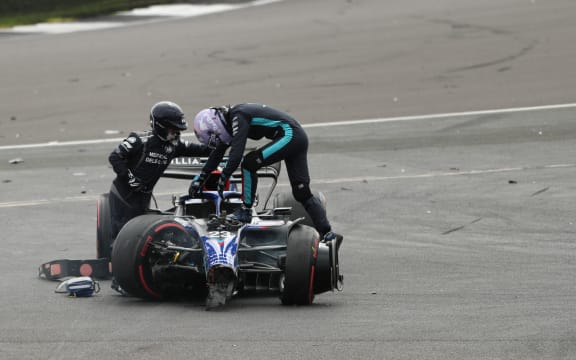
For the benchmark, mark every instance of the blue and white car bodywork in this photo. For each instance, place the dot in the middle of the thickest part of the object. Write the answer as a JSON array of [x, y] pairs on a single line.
[[193, 249]]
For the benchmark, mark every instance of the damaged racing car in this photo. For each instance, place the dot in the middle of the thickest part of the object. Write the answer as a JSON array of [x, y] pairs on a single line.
[[193, 248]]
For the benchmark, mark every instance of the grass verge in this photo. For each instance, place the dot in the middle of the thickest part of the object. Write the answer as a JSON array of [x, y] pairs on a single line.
[[86, 9]]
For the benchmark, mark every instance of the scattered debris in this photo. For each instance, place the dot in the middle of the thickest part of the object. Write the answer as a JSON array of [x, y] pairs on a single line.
[[461, 227], [512, 182], [540, 191], [6, 181], [16, 161], [112, 132]]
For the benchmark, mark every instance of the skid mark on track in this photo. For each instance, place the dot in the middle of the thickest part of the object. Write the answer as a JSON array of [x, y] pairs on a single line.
[[527, 44]]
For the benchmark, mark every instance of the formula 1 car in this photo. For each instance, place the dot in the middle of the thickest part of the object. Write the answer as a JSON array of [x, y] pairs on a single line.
[[194, 249]]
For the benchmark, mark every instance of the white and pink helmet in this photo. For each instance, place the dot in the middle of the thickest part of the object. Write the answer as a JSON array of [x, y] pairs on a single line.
[[210, 128]]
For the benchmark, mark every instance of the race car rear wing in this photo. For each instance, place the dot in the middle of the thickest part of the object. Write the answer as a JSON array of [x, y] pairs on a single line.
[[188, 167]]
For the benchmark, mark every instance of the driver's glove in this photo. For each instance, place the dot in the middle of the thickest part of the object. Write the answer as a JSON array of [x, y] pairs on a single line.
[[222, 180], [134, 182], [197, 184]]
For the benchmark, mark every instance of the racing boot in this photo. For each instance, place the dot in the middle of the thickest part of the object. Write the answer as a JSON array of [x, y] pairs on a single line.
[[243, 215], [332, 236]]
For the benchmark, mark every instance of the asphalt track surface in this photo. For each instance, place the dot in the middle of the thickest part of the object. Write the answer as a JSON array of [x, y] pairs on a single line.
[[459, 228]]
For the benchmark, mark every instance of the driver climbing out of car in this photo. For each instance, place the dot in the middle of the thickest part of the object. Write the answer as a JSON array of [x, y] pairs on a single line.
[[225, 127], [140, 160]]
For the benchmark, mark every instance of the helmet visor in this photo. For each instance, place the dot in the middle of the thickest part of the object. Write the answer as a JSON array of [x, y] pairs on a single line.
[[213, 141]]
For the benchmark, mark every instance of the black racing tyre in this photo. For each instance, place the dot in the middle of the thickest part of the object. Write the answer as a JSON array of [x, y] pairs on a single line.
[[301, 255], [285, 199], [104, 238], [133, 259]]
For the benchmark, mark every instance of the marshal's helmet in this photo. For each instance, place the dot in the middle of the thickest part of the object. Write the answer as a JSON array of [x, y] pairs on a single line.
[[167, 120], [210, 127]]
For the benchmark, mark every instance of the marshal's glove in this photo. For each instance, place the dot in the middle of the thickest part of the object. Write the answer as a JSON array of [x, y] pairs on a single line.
[[134, 182], [222, 180], [197, 184]]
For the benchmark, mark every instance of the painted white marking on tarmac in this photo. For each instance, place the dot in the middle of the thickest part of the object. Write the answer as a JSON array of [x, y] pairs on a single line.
[[324, 124], [165, 11], [189, 10], [39, 202], [445, 174], [63, 28], [445, 115], [60, 143]]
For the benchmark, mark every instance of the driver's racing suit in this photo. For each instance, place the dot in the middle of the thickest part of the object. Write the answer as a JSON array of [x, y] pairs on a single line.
[[288, 142]]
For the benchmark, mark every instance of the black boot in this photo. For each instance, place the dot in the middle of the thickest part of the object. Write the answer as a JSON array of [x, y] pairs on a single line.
[[243, 215], [332, 236]]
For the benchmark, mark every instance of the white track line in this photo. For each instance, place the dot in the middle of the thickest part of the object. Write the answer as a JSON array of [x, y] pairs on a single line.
[[24, 203], [324, 124], [161, 12], [446, 115]]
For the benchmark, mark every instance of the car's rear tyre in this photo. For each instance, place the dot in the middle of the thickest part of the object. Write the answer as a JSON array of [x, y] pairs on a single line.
[[134, 259], [285, 199], [104, 238], [301, 255]]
